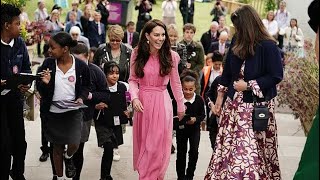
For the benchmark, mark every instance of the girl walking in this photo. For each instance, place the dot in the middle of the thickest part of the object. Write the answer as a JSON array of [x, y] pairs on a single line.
[[112, 112], [189, 127]]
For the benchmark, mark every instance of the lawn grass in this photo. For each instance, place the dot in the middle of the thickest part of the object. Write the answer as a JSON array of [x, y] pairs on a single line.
[[202, 18]]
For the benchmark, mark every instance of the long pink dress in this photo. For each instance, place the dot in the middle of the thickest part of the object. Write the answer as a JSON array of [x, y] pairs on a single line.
[[152, 128]]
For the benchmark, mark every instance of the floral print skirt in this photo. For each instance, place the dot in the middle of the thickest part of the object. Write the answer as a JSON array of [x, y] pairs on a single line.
[[240, 152]]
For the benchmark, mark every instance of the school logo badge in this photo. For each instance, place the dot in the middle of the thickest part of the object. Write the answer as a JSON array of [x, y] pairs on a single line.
[[15, 69], [71, 78]]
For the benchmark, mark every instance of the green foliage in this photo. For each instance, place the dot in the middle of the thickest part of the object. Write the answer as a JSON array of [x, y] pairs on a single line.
[[23, 31], [18, 3], [245, 1], [270, 5]]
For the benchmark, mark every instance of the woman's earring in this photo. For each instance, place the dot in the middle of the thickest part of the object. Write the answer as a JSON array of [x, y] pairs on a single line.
[[148, 41]]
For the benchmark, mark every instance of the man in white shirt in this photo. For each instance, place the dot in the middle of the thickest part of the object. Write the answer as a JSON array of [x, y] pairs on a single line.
[[282, 16]]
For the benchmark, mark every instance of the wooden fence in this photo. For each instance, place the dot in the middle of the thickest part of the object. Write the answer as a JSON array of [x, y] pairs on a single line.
[[232, 5]]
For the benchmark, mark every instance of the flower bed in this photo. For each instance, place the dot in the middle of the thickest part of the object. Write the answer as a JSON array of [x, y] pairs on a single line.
[[300, 86]]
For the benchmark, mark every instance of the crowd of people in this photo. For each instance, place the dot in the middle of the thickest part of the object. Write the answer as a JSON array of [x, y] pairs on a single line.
[[155, 80]]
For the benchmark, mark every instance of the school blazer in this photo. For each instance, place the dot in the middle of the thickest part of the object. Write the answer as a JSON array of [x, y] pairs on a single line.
[[83, 82]]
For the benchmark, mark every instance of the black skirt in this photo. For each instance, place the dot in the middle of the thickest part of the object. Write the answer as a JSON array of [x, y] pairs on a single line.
[[64, 128], [109, 135]]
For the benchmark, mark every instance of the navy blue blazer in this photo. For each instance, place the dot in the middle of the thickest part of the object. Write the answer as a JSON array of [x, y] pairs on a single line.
[[83, 82], [94, 38], [265, 67]]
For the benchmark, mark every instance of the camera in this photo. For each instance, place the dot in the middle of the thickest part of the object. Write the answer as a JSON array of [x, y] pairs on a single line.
[[218, 3]]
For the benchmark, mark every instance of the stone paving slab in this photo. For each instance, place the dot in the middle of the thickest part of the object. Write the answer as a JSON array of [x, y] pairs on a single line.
[[291, 143]]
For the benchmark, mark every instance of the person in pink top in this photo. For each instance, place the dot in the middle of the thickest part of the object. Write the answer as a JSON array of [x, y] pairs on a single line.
[[152, 65]]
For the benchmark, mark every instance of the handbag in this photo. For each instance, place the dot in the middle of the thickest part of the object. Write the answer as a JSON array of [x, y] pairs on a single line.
[[260, 116]]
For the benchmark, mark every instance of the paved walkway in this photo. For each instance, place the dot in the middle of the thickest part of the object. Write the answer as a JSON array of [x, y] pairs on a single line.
[[291, 142]]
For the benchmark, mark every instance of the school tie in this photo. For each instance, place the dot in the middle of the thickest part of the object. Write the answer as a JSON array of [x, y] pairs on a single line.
[[130, 39], [99, 29]]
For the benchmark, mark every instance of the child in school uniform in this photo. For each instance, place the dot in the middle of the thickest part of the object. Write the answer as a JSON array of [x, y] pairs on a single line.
[[208, 74], [109, 116], [212, 119], [189, 127]]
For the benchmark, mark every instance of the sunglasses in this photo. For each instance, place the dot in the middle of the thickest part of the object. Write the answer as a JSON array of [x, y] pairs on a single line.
[[115, 40], [74, 34]]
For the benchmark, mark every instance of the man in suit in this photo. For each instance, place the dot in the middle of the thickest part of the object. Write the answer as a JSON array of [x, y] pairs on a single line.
[[210, 36], [222, 45], [96, 31], [187, 11], [102, 7], [131, 37]]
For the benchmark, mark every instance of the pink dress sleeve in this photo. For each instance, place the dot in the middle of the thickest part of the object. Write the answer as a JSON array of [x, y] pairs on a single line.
[[133, 79], [175, 83]]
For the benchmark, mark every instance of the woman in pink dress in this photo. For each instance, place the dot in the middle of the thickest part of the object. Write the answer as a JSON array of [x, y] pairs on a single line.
[[153, 64]]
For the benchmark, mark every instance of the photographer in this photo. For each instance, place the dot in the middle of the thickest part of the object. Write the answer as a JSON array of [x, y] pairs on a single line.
[[218, 10], [195, 52], [144, 7]]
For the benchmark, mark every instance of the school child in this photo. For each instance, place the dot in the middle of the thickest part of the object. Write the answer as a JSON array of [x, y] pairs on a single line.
[[109, 116], [211, 71], [208, 74], [189, 127], [212, 119]]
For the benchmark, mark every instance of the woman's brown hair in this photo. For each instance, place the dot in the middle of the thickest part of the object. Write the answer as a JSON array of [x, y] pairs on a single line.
[[249, 31], [143, 50]]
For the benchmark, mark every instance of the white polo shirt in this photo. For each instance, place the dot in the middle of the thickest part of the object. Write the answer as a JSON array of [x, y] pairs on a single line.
[[65, 86]]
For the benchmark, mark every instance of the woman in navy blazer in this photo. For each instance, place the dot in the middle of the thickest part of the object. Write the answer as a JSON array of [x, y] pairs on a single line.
[[253, 66]]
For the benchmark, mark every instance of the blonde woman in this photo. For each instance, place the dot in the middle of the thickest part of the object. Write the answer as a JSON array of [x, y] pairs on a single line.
[[271, 24], [115, 50]]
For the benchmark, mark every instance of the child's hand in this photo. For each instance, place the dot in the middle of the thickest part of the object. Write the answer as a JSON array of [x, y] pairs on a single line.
[[3, 82], [79, 101], [127, 113], [191, 121], [101, 105], [212, 107]]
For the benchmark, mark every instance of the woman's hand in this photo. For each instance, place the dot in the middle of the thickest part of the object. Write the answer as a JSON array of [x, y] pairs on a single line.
[[137, 105], [240, 85], [101, 105], [46, 76], [180, 115]]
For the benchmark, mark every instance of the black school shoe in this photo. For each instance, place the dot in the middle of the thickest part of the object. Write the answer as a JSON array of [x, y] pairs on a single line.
[[107, 178], [172, 149], [16, 177], [44, 157], [70, 168]]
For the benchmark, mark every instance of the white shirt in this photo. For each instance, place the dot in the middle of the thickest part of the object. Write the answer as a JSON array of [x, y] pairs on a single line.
[[222, 47], [282, 18], [169, 8], [272, 26], [288, 38], [11, 43], [64, 87], [213, 76], [191, 100], [114, 88]]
